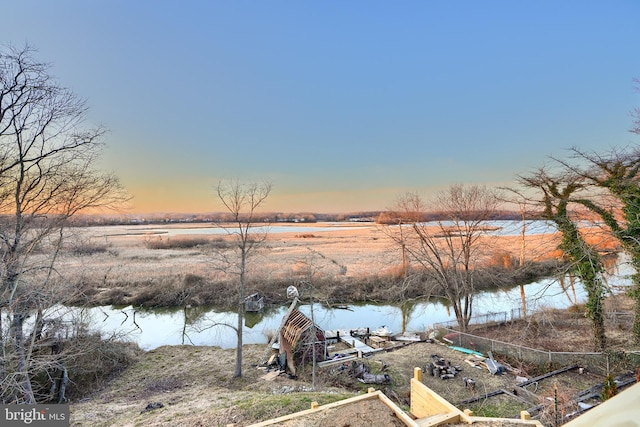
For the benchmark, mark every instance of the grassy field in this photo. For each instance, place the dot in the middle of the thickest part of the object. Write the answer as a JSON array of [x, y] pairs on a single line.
[[359, 262]]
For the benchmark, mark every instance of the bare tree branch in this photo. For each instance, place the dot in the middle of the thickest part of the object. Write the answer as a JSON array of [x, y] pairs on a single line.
[[47, 175], [242, 202]]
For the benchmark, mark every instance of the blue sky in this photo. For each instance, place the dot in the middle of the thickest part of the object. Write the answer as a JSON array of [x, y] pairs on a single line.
[[342, 105]]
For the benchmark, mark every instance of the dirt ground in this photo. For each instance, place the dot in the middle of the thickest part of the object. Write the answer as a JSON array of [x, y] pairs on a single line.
[[193, 384], [195, 388], [363, 414]]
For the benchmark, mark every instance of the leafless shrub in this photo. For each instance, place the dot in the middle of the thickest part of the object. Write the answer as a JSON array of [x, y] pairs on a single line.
[[504, 259], [90, 361], [88, 248], [100, 361], [179, 242], [219, 243], [557, 406], [117, 296]]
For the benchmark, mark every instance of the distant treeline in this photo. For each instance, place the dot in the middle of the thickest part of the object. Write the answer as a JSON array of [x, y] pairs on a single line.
[[379, 217], [391, 217]]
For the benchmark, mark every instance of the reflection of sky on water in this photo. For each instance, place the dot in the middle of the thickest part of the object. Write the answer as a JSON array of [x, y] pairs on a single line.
[[503, 228], [222, 231], [165, 327]]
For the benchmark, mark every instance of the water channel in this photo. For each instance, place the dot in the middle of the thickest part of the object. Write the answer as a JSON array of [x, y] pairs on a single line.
[[202, 325]]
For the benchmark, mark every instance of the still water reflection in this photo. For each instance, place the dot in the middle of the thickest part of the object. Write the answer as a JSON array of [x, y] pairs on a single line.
[[203, 326]]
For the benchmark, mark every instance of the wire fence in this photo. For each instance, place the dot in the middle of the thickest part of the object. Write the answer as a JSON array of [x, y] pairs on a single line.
[[603, 363], [485, 319]]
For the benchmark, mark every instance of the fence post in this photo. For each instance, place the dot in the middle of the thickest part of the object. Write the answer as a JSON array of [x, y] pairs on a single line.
[[550, 362]]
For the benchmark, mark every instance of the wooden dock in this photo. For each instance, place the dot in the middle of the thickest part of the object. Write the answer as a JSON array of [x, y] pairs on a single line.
[[355, 342]]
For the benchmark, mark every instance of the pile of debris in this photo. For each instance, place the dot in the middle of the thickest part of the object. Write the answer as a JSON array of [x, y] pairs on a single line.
[[495, 368], [362, 373], [439, 367]]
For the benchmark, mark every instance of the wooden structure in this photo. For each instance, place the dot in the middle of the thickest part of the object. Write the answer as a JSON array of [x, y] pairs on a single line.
[[274, 339], [301, 340], [352, 340], [428, 409], [254, 303], [378, 342], [315, 408]]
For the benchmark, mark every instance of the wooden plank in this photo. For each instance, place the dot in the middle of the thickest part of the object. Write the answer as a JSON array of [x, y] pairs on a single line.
[[439, 419], [332, 362], [550, 374], [396, 410], [425, 402], [378, 341], [519, 398], [484, 396], [270, 376]]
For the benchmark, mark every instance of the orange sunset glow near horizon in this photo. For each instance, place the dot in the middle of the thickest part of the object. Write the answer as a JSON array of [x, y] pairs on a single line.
[[342, 106]]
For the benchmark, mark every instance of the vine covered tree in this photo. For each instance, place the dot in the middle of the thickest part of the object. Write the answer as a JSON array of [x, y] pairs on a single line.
[[47, 175], [556, 194], [617, 174]]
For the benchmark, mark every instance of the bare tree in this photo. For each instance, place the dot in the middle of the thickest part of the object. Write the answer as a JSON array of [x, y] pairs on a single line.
[[242, 202], [448, 249], [47, 175]]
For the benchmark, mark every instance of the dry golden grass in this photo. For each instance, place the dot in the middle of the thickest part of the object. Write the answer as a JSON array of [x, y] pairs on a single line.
[[130, 264], [195, 387]]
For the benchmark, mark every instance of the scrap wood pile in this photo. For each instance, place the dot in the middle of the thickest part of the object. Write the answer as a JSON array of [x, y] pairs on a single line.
[[481, 362], [476, 361], [361, 372]]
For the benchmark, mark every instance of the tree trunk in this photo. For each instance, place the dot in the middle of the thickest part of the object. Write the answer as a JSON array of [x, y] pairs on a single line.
[[243, 260], [238, 371], [22, 365], [523, 301], [636, 319], [599, 336]]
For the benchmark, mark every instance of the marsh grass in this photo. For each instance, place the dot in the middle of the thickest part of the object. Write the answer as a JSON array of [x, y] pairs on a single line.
[[184, 242], [123, 265]]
